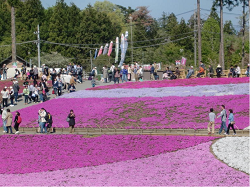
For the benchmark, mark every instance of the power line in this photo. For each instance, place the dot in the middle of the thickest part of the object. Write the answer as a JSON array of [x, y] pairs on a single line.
[[223, 12]]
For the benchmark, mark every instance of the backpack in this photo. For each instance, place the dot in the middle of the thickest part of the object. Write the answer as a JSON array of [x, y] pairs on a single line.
[[19, 119]]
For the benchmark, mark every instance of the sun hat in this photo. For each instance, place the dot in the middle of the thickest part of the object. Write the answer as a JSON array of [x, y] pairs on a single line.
[[10, 86], [5, 87], [192, 66], [218, 66]]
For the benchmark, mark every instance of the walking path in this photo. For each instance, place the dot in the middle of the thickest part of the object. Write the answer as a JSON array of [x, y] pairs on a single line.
[[86, 84]]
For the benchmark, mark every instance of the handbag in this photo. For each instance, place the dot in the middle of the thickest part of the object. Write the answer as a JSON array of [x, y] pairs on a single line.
[[68, 119], [53, 91]]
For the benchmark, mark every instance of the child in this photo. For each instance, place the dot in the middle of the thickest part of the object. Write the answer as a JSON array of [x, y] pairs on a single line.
[[211, 121], [231, 122], [17, 122], [49, 123], [93, 82]]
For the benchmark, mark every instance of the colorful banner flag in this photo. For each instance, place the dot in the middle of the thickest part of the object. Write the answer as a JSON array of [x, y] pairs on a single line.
[[105, 51], [116, 49], [124, 47], [100, 51], [95, 53], [183, 61], [110, 48]]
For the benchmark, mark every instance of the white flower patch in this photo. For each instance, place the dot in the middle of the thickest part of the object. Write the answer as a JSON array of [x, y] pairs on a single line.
[[234, 151], [247, 128]]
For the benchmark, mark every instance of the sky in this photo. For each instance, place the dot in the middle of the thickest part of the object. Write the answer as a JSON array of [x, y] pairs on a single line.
[[157, 7]]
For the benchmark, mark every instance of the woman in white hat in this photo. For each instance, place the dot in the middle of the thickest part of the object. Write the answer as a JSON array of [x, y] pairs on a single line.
[[5, 96], [218, 71]]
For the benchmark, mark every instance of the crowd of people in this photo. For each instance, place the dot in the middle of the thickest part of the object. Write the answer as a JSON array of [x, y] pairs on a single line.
[[45, 121], [36, 86], [234, 71], [135, 72]]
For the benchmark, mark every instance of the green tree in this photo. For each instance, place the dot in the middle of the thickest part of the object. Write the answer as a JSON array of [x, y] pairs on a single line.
[[229, 28], [113, 12], [29, 14], [210, 41]]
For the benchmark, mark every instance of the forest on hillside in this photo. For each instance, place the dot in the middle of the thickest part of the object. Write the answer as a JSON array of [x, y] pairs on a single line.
[[70, 34]]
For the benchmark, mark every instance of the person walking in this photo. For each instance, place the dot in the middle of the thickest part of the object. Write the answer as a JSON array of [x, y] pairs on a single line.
[[223, 115], [17, 122], [11, 94], [55, 86], [49, 123], [212, 117], [40, 92], [5, 69], [42, 120], [105, 74], [71, 120], [35, 73], [117, 76], [124, 74], [16, 89], [60, 84], [26, 94], [152, 70], [5, 96], [9, 117], [4, 116], [231, 122]]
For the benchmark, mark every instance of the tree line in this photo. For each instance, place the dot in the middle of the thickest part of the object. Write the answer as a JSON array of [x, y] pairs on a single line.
[[153, 40]]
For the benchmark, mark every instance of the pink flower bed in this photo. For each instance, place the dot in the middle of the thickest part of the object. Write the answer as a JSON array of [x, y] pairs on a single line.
[[146, 112], [193, 166], [173, 83], [37, 153]]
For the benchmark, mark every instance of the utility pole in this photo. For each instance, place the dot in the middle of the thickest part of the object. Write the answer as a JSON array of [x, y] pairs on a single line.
[[221, 37], [38, 45], [199, 30], [195, 54], [243, 37], [130, 17], [91, 60], [13, 34]]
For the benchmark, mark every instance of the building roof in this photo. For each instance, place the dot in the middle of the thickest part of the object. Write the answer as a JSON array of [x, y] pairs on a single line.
[[9, 59]]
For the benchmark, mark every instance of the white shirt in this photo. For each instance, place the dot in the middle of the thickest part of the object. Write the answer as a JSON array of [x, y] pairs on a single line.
[[237, 70]]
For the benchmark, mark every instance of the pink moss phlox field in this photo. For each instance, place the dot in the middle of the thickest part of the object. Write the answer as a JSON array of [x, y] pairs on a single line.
[[145, 112], [194, 166], [173, 83], [37, 153]]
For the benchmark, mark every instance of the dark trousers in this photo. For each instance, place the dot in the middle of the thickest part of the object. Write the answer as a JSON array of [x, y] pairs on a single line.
[[116, 80], [26, 97], [16, 126], [230, 125], [199, 74], [30, 95], [5, 102], [9, 128], [59, 89]]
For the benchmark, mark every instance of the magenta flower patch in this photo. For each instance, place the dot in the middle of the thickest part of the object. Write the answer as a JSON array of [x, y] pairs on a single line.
[[37, 153], [146, 112], [173, 83], [193, 166]]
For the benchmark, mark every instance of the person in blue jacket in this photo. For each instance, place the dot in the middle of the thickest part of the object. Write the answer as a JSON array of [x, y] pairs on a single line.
[[231, 122]]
